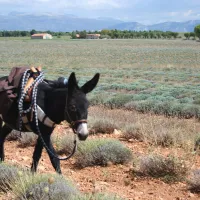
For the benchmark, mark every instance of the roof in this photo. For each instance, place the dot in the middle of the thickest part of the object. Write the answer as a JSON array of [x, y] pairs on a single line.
[[94, 34], [40, 34]]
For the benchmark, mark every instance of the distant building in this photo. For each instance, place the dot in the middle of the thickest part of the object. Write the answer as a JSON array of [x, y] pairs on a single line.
[[77, 36], [92, 36], [42, 36]]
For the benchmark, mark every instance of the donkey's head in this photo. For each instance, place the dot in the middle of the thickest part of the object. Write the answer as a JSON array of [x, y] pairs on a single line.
[[76, 110]]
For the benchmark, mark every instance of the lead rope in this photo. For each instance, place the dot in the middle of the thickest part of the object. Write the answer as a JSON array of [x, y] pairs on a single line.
[[33, 105]]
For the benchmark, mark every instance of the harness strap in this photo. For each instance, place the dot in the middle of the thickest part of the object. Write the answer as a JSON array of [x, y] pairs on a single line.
[[42, 118]]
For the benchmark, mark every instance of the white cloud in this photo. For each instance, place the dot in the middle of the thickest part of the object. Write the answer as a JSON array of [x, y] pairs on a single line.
[[173, 14], [188, 13]]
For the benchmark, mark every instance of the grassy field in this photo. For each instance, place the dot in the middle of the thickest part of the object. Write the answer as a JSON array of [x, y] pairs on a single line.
[[149, 76], [159, 76]]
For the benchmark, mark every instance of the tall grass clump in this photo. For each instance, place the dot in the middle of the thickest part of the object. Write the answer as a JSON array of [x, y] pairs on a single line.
[[132, 132], [63, 145], [8, 175], [101, 152], [27, 139], [13, 136], [43, 186], [103, 125], [169, 169], [194, 181]]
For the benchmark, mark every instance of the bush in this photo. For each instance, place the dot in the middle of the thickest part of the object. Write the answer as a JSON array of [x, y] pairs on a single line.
[[194, 181], [64, 145], [8, 174], [48, 187], [132, 132], [103, 126], [13, 136], [101, 152], [118, 101], [169, 169], [27, 139], [162, 138]]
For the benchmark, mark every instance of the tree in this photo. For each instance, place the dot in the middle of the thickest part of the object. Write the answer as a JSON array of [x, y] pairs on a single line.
[[187, 36], [197, 31], [192, 34], [33, 31]]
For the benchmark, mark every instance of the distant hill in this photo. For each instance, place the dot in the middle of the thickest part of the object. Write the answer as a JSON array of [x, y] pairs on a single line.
[[165, 26], [48, 21], [21, 21]]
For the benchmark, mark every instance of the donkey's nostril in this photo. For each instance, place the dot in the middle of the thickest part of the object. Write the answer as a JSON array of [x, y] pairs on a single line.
[[82, 137]]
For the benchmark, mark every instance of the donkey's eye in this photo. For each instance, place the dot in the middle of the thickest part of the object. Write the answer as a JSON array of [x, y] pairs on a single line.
[[73, 108]]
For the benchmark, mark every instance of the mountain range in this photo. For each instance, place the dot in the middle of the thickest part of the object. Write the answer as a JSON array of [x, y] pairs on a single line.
[[68, 23]]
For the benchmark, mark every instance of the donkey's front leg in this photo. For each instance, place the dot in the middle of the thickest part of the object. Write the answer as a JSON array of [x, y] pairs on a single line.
[[4, 131], [37, 155], [51, 152]]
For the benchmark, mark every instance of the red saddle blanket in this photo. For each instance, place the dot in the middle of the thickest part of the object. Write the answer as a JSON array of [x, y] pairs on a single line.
[[8, 86]]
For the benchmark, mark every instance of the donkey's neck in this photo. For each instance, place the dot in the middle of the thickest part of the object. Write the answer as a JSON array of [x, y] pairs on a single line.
[[55, 102]]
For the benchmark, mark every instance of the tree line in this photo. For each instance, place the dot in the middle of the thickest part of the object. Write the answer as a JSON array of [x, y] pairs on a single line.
[[5, 33], [126, 34], [105, 33]]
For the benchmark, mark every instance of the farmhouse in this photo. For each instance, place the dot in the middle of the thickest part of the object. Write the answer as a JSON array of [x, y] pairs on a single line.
[[42, 36], [92, 36]]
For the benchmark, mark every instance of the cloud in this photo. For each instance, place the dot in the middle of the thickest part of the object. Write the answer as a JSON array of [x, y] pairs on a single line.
[[188, 13], [149, 11]]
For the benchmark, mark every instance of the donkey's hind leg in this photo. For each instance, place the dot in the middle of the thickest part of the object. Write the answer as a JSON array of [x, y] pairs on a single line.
[[4, 131]]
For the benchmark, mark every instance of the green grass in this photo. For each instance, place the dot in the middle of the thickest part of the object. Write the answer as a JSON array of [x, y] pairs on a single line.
[[154, 71]]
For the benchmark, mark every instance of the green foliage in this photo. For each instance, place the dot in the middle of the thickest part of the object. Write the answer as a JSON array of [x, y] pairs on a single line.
[[48, 187], [169, 168], [132, 132], [197, 31], [101, 152], [118, 101], [103, 126], [8, 175]]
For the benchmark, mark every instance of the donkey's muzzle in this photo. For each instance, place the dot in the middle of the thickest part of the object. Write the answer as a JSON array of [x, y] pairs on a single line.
[[82, 131]]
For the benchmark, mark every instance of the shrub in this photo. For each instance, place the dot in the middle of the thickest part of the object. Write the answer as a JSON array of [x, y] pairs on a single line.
[[169, 169], [8, 174], [97, 99], [103, 126], [118, 101], [27, 139], [101, 152], [13, 136], [162, 138], [48, 187], [132, 132], [194, 181], [64, 145]]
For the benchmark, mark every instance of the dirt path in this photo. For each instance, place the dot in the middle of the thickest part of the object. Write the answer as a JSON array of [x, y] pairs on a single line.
[[112, 179]]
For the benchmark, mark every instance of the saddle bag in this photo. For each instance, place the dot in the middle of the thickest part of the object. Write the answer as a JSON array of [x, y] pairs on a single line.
[[8, 88]]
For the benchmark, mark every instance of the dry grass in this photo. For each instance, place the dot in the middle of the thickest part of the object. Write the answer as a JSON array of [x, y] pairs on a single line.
[[152, 129], [168, 168]]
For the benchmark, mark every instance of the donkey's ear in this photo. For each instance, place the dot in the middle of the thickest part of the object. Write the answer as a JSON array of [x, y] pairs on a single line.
[[72, 83], [91, 84]]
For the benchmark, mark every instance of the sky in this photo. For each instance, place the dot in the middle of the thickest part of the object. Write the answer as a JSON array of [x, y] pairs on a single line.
[[142, 11]]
